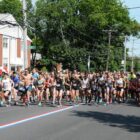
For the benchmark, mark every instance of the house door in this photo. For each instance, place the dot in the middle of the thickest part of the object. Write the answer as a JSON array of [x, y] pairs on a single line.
[[6, 52]]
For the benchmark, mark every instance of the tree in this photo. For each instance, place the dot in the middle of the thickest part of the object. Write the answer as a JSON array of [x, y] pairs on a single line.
[[72, 30], [13, 7], [137, 64]]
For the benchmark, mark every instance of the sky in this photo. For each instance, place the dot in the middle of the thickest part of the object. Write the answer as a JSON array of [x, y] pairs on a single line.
[[135, 14], [34, 1]]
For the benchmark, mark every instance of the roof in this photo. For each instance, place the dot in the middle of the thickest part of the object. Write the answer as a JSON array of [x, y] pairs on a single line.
[[13, 29], [7, 17]]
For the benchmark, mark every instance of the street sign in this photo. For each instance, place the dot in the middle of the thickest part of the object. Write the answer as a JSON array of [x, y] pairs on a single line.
[[32, 47]]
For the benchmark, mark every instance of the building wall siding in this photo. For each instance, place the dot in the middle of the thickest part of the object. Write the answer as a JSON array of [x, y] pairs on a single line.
[[1, 50], [18, 47]]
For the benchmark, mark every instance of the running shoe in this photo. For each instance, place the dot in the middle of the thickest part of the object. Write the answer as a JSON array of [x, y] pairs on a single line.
[[39, 104], [1, 103], [100, 101], [59, 106]]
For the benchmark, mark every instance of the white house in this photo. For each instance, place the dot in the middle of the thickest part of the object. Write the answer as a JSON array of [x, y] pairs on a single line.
[[11, 43]]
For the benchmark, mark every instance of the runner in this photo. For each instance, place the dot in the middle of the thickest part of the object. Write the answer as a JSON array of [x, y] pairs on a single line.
[[138, 89], [1, 93], [85, 85], [47, 87], [109, 88], [40, 88], [59, 88], [75, 83], [67, 85], [7, 87], [28, 81], [15, 78], [101, 88], [119, 88], [53, 88], [94, 89]]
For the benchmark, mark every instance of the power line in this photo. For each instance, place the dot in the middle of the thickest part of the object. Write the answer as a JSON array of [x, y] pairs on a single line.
[[133, 8]]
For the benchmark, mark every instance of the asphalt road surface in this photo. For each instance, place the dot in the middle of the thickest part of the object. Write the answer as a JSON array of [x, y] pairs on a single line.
[[82, 122]]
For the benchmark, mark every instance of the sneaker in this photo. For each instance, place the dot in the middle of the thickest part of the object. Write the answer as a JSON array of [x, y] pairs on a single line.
[[1, 103], [26, 104], [104, 104], [100, 101], [107, 103], [7, 105], [59, 106], [16, 103], [39, 104]]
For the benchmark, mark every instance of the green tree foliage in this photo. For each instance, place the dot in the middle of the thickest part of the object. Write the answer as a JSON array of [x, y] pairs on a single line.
[[137, 64], [68, 31], [31, 20], [13, 7], [72, 30]]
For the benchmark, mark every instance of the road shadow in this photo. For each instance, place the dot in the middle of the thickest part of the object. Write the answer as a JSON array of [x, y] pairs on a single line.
[[129, 123], [132, 103]]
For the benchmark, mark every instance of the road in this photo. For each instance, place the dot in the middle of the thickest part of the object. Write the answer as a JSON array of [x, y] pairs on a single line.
[[82, 122]]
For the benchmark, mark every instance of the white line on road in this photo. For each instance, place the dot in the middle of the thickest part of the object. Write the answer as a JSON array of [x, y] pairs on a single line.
[[36, 117]]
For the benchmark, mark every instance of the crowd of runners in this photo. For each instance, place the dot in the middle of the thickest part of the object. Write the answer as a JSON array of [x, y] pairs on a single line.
[[28, 87]]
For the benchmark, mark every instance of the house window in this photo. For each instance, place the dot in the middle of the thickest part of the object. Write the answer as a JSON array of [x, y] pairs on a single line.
[[5, 61], [5, 42]]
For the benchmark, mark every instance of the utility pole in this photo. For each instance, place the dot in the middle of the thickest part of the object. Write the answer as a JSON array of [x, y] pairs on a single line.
[[62, 34], [109, 43], [132, 61], [88, 63], [125, 54], [25, 34]]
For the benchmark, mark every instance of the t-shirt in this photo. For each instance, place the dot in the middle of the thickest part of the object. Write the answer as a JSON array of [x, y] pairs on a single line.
[[119, 82], [35, 75], [59, 82], [131, 76], [75, 82], [15, 79], [6, 84], [84, 83]]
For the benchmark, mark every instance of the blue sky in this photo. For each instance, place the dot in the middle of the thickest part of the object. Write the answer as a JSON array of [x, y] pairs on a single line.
[[134, 13], [34, 1]]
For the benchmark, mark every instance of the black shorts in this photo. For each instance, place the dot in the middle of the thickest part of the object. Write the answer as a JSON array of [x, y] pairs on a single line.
[[75, 88], [67, 87], [21, 93], [119, 88], [59, 88], [85, 89], [93, 91], [16, 87]]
